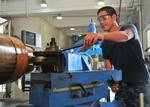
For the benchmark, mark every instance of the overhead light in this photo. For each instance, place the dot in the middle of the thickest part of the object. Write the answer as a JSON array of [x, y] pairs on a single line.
[[79, 35], [100, 2], [59, 17], [72, 28], [43, 3]]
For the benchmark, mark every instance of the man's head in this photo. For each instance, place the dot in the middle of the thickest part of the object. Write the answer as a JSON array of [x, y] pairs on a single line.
[[107, 17]]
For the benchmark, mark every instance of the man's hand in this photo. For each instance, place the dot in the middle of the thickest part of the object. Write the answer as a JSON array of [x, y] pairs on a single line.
[[92, 38], [115, 87]]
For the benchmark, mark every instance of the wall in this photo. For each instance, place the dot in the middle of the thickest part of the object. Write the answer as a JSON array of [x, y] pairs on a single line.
[[145, 13], [145, 20], [42, 26]]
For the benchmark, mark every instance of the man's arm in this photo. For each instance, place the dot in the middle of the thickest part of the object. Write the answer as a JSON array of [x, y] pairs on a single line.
[[116, 36]]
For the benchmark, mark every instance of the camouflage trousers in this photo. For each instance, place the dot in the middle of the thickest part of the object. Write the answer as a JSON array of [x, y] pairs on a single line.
[[129, 94]]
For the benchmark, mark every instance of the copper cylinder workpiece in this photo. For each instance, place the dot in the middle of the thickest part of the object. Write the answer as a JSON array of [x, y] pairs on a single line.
[[13, 59]]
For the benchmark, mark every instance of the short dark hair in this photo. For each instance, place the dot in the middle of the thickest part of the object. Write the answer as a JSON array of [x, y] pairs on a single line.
[[110, 10]]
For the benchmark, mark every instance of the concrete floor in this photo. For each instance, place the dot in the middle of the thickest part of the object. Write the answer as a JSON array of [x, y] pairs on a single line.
[[10, 102]]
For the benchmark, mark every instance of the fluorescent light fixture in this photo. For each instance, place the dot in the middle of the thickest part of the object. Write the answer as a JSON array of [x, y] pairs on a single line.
[[72, 28], [59, 17], [79, 35], [100, 2], [43, 3]]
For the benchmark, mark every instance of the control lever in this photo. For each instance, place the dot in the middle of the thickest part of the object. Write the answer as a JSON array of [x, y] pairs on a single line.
[[71, 47], [85, 93]]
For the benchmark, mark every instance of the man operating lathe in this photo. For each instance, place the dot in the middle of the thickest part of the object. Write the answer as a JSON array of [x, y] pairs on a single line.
[[122, 48]]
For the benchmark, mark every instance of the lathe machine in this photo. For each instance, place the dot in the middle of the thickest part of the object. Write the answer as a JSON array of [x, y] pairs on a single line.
[[62, 84], [59, 82]]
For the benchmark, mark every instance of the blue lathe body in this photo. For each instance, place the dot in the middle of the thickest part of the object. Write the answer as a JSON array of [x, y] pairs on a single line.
[[68, 80], [77, 89]]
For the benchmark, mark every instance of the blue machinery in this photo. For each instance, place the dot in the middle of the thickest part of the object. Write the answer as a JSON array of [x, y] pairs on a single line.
[[80, 89], [58, 86], [67, 80]]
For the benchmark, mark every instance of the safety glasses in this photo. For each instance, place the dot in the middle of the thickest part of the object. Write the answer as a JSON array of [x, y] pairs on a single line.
[[103, 17]]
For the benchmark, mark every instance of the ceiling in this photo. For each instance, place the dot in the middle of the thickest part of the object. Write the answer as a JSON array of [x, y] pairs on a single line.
[[76, 13]]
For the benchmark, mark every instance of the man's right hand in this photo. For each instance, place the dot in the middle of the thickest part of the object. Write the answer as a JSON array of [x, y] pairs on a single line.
[[91, 38]]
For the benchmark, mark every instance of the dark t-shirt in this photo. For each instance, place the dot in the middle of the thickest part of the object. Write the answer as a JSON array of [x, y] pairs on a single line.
[[127, 56]]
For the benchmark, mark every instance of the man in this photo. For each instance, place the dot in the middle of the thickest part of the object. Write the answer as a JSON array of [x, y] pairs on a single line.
[[122, 49]]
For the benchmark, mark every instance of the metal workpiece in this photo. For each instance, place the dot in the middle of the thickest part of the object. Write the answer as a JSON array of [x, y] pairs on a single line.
[[49, 61], [13, 59]]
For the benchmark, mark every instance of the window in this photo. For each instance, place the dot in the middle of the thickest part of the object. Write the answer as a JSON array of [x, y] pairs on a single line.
[[148, 38], [3, 88], [28, 38], [2, 26], [2, 20]]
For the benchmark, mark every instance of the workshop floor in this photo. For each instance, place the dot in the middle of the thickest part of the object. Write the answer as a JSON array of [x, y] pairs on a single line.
[[10, 102]]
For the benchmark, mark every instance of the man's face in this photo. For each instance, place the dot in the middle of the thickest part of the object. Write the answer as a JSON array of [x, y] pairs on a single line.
[[106, 21]]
